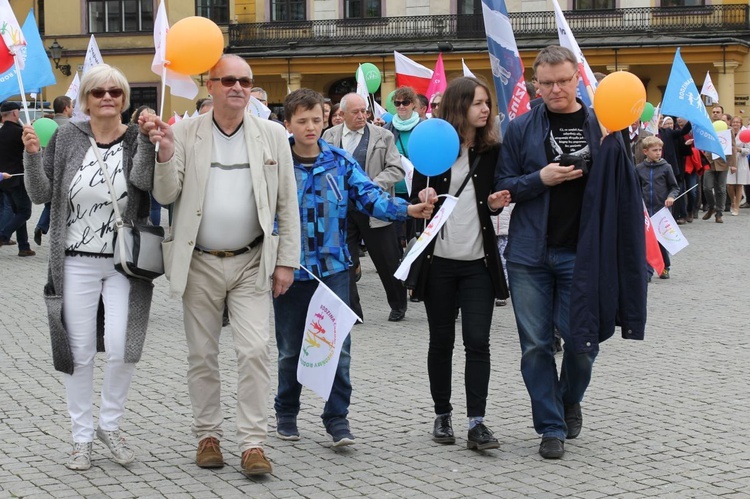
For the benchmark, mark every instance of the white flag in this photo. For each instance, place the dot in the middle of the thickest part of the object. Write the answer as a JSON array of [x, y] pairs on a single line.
[[668, 233], [467, 71], [379, 110], [73, 88], [328, 323], [12, 33], [257, 108], [587, 81], [362, 86], [177, 117], [93, 55], [708, 88], [653, 125], [428, 235], [408, 173], [179, 84]]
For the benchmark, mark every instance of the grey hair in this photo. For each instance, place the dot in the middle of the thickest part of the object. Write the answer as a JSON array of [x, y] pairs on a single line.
[[259, 90], [98, 76], [554, 55], [345, 99]]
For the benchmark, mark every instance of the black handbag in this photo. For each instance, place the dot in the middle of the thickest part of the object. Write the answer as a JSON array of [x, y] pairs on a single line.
[[411, 280], [137, 246]]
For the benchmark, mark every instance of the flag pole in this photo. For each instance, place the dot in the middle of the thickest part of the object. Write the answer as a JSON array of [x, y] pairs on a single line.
[[693, 187], [163, 95], [329, 289], [20, 88]]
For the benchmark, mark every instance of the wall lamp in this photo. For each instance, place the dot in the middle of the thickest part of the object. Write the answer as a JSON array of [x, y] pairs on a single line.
[[55, 51]]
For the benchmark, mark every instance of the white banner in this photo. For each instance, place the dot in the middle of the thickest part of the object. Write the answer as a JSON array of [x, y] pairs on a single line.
[[428, 235], [667, 232], [73, 88], [708, 88], [328, 323], [258, 109], [725, 139], [408, 172]]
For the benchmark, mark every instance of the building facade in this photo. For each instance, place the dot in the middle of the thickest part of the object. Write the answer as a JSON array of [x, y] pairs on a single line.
[[320, 43]]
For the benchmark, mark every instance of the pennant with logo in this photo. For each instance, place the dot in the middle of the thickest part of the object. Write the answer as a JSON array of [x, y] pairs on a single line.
[[653, 125], [411, 74], [37, 72], [179, 84], [505, 61], [93, 55], [681, 98], [379, 110], [438, 82], [12, 36], [586, 80], [708, 88], [362, 86], [327, 325], [668, 233], [73, 88], [467, 71], [408, 173], [432, 230], [653, 252], [257, 108]]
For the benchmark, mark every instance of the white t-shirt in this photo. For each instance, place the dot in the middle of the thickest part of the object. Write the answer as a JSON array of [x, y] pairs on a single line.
[[91, 222], [230, 217], [461, 236]]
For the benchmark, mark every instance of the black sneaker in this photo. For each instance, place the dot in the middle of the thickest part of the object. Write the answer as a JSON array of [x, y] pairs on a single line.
[[339, 430], [442, 432], [38, 236], [480, 438], [551, 448], [573, 419], [286, 428]]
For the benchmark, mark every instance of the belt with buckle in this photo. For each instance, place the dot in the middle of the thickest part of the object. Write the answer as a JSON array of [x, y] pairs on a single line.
[[225, 254]]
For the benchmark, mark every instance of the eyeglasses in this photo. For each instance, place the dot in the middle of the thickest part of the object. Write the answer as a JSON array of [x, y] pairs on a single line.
[[399, 103], [549, 85], [229, 81], [113, 92], [435, 105]]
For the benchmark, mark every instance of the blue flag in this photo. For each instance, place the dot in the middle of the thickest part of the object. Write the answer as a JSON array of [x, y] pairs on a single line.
[[681, 98], [37, 72], [507, 67]]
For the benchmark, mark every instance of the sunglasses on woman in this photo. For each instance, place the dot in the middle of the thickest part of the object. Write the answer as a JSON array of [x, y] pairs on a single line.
[[229, 81], [113, 92], [399, 103]]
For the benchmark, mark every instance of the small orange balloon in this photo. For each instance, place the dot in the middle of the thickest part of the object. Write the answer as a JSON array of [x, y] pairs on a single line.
[[619, 100], [194, 45]]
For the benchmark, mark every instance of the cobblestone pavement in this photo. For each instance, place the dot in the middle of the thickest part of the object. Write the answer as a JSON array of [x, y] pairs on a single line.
[[666, 417]]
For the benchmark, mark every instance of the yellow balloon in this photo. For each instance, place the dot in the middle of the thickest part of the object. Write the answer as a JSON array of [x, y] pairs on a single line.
[[619, 100], [194, 45], [720, 125]]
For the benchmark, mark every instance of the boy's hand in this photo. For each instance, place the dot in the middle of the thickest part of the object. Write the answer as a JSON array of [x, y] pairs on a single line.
[[421, 210], [669, 202]]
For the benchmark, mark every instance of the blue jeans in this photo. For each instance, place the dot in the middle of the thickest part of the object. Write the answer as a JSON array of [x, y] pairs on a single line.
[[21, 205], [155, 213], [43, 223], [290, 310], [691, 179], [541, 302]]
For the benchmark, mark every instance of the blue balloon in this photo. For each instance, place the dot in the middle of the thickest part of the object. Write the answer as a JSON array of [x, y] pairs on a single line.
[[387, 117], [433, 146]]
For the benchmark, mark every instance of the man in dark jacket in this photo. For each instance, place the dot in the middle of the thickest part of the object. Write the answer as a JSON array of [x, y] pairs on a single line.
[[11, 152], [571, 208]]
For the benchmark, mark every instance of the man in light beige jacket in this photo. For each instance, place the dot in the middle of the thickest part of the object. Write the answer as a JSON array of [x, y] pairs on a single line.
[[229, 176]]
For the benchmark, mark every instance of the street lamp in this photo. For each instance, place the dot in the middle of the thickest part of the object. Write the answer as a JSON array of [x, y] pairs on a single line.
[[55, 51]]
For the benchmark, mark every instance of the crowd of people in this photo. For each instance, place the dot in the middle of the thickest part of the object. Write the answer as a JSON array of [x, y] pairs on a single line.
[[259, 213]]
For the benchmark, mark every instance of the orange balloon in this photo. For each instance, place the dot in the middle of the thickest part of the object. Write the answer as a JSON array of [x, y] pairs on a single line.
[[619, 100], [194, 45]]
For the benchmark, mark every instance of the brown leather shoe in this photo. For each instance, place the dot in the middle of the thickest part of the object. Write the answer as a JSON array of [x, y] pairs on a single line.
[[27, 252], [209, 454], [254, 462], [9, 242], [719, 219], [709, 214]]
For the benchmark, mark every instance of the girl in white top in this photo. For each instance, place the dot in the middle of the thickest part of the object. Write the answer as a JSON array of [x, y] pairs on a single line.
[[738, 177]]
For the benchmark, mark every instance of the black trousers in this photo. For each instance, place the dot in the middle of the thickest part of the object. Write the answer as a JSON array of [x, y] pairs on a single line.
[[468, 282], [385, 252]]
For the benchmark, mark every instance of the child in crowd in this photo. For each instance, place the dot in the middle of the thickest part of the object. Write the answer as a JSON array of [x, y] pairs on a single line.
[[659, 187], [328, 181]]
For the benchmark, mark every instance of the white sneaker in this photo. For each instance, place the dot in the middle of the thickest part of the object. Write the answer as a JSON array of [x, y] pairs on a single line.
[[121, 453], [80, 458]]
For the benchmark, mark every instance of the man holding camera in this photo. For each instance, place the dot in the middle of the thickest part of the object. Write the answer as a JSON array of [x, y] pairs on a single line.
[[556, 218]]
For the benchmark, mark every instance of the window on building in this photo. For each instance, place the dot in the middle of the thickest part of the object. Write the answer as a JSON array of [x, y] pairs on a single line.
[[683, 3], [593, 4], [141, 96], [216, 10], [117, 16], [470, 7], [288, 10], [362, 8]]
